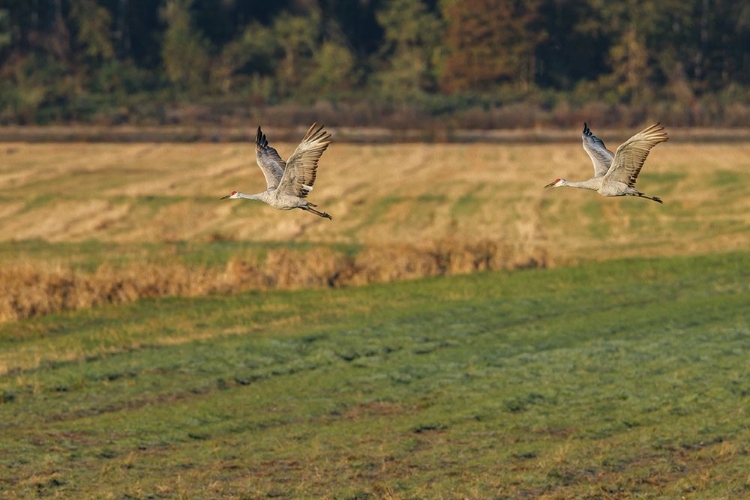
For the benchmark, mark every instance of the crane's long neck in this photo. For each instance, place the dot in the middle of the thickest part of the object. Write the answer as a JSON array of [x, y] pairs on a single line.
[[594, 184], [258, 196]]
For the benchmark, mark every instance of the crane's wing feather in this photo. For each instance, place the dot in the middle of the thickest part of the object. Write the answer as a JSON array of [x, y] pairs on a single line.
[[630, 156], [600, 156], [302, 166], [269, 161]]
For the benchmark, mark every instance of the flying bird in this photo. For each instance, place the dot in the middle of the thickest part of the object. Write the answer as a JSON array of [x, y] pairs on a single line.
[[615, 174], [288, 183]]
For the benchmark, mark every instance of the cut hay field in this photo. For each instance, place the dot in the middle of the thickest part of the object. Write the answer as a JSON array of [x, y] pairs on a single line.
[[614, 380], [86, 224], [378, 195]]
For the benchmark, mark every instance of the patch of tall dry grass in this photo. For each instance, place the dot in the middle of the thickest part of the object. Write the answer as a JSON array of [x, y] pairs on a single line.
[[27, 291]]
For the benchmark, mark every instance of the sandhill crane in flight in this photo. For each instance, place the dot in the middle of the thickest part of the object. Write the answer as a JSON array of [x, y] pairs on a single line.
[[288, 183], [615, 174]]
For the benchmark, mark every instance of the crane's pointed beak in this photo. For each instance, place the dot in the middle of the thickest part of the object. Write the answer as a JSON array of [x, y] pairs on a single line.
[[550, 184], [225, 197]]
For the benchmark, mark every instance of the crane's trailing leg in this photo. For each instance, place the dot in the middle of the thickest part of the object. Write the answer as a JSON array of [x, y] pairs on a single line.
[[652, 198], [309, 208]]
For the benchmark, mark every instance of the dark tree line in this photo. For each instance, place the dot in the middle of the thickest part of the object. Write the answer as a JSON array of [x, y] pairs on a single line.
[[124, 60]]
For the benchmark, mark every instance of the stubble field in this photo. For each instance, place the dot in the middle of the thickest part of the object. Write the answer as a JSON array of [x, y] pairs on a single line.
[[379, 195]]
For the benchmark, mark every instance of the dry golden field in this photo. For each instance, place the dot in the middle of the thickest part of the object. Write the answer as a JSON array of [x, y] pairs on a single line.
[[459, 206], [384, 194]]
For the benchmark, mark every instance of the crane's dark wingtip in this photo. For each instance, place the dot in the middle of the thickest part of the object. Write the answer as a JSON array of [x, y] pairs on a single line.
[[260, 138], [314, 129], [586, 129]]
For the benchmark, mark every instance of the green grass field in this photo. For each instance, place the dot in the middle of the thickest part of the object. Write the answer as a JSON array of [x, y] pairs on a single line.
[[618, 379]]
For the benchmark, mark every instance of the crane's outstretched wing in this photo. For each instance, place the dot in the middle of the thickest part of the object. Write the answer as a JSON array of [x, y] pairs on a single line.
[[268, 160], [301, 167], [600, 156], [629, 157]]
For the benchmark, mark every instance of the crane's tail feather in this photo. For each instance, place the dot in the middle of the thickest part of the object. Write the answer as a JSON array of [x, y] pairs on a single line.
[[310, 209]]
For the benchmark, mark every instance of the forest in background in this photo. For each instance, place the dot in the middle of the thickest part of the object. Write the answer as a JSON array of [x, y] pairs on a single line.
[[479, 64]]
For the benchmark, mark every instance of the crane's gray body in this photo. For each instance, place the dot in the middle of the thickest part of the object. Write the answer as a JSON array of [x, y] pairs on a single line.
[[615, 173], [288, 183]]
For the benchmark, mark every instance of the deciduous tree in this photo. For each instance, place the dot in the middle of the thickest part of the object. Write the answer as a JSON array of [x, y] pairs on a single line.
[[490, 42]]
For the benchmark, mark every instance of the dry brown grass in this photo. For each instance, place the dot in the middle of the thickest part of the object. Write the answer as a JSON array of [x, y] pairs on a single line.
[[27, 291], [414, 210]]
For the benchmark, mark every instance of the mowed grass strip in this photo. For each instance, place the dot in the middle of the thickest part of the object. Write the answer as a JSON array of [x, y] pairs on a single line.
[[611, 380]]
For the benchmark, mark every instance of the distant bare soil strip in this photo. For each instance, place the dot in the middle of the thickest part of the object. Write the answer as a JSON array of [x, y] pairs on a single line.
[[357, 135], [27, 291]]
